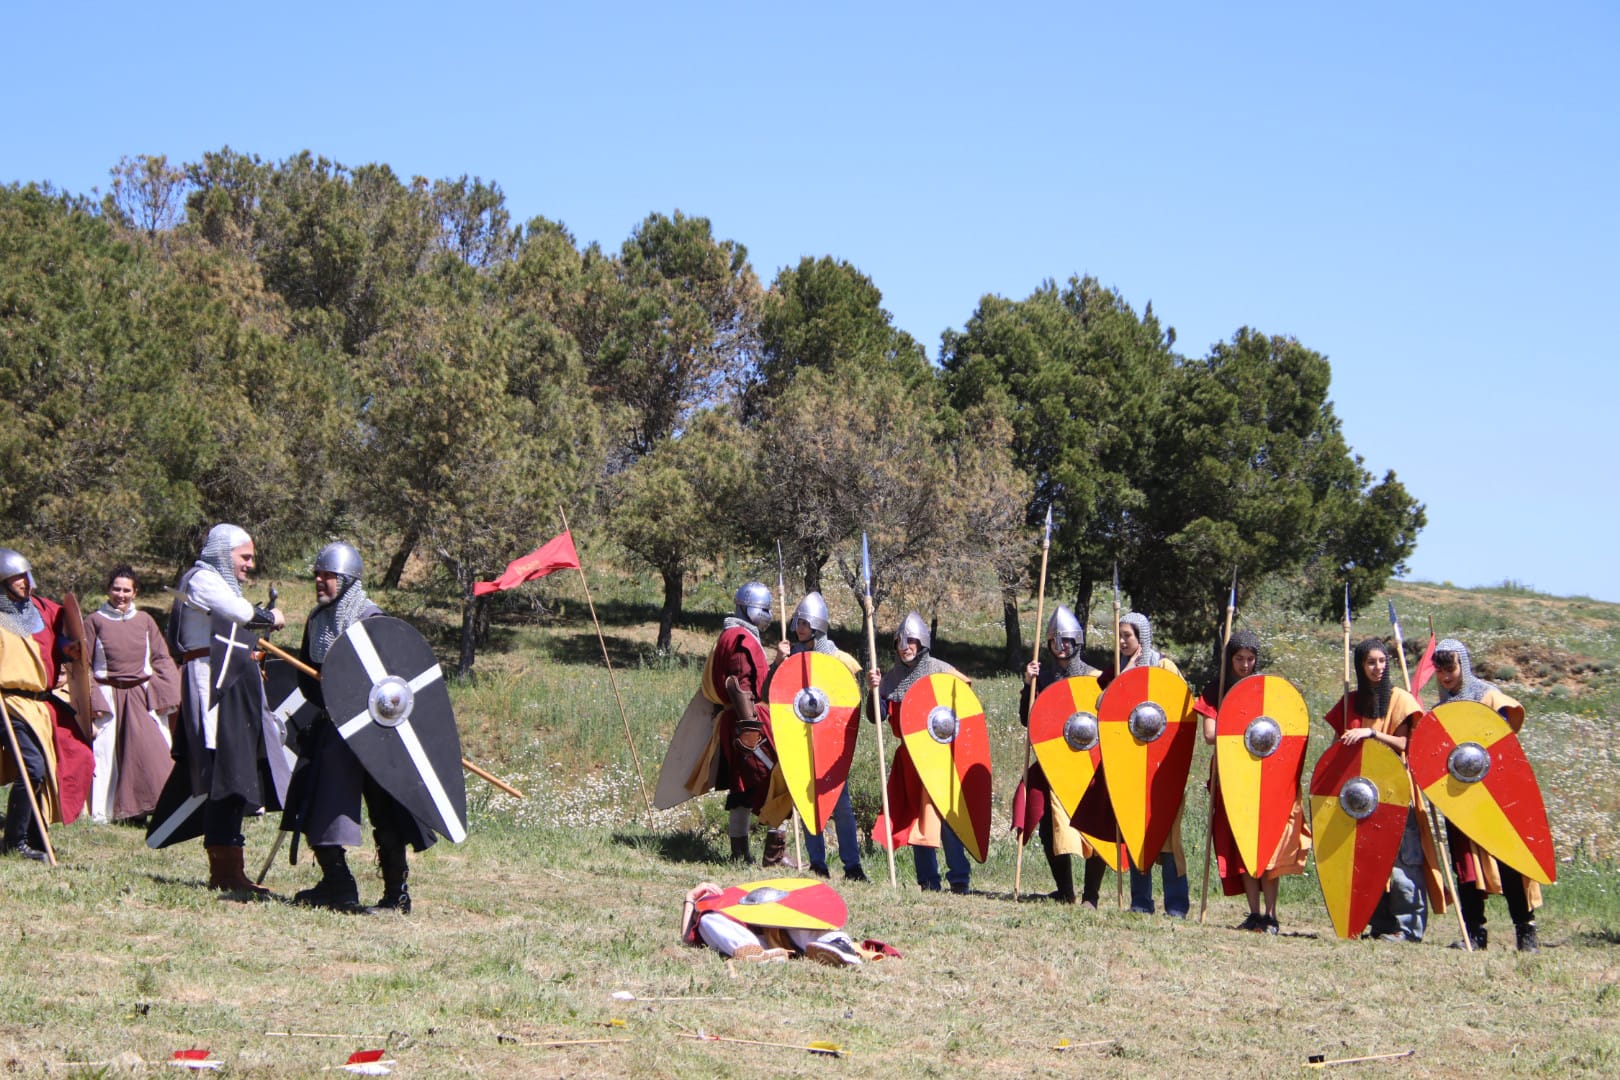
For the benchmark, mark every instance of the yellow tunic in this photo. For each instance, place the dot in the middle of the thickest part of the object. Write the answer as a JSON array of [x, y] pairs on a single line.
[[22, 668]]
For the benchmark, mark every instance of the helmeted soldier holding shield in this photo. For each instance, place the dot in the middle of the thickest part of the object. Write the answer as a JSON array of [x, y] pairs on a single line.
[[1065, 641], [809, 626], [734, 679], [323, 801], [217, 749]]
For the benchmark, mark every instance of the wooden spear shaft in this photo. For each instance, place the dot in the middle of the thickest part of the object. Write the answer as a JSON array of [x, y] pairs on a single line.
[[28, 785], [781, 594], [878, 719], [1029, 746], [1214, 762], [1119, 839], [1431, 820], [624, 717], [282, 654]]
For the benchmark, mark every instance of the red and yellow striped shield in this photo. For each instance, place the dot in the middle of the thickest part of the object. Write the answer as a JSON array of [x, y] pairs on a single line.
[[791, 903], [1360, 796], [942, 725], [1260, 735], [1467, 760], [1148, 731], [812, 699], [1063, 729]]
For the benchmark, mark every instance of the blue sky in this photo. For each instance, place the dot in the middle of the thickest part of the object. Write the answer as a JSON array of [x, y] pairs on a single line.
[[1425, 193]]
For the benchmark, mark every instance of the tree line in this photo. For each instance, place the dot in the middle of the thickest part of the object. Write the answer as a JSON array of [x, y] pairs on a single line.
[[312, 350]]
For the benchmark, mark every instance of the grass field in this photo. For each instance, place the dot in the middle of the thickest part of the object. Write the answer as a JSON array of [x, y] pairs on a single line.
[[523, 934]]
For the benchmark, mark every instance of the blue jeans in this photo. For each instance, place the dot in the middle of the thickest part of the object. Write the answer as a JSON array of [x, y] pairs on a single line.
[[1404, 909], [849, 838], [1176, 897], [957, 867]]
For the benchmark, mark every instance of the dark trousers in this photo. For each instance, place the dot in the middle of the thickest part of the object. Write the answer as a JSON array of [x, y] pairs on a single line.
[[222, 821]]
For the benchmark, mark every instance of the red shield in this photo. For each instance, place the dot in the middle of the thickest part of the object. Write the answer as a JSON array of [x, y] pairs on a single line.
[[78, 673], [1357, 832], [1470, 764], [942, 726], [812, 699], [1064, 731], [790, 903], [1148, 730], [1260, 735]]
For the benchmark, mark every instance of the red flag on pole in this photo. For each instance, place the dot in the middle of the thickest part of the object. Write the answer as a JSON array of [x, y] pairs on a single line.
[[1425, 667], [555, 554]]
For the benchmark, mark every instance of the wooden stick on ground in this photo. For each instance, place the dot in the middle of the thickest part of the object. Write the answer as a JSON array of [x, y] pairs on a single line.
[[1314, 1063]]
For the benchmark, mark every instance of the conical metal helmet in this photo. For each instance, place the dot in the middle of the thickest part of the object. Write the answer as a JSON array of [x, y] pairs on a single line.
[[913, 627], [812, 610], [753, 602], [1064, 626]]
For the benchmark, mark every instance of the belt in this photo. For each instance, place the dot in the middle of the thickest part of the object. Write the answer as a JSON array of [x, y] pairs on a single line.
[[33, 695], [125, 682], [193, 654]]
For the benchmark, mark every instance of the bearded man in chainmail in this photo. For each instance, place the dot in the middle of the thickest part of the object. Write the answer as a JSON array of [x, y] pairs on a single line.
[[1065, 641], [809, 628], [1477, 872], [323, 800], [1383, 712], [56, 760], [916, 821], [212, 588], [1135, 642], [734, 680]]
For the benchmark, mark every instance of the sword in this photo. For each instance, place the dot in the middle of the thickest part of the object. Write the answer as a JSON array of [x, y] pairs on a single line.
[[877, 715]]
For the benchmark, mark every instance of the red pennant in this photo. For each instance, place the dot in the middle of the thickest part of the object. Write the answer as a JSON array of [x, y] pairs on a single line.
[[555, 554], [1425, 667]]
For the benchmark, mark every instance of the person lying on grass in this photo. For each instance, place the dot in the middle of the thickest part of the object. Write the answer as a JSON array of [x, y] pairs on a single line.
[[775, 920]]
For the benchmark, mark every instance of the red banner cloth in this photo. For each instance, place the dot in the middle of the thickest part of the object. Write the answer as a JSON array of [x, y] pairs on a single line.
[[555, 554], [1425, 667]]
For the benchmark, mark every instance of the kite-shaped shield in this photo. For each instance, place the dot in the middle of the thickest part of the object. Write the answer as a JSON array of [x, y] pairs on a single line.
[[1467, 760], [386, 695], [788, 903], [1148, 730], [78, 674], [1260, 735], [691, 766], [1063, 729], [812, 699], [1360, 796], [942, 726]]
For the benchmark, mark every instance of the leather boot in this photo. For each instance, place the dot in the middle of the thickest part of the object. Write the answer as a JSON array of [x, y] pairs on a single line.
[[337, 888], [226, 874], [19, 819], [1062, 868], [1094, 870], [396, 871], [775, 853], [739, 851]]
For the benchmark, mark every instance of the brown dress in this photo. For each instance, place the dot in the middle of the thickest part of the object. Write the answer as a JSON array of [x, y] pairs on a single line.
[[137, 684]]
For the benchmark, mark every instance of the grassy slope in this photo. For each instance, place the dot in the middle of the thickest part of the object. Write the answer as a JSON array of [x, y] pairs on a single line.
[[558, 901]]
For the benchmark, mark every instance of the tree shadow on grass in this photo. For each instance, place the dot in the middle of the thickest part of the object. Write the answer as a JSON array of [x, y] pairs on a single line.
[[683, 846]]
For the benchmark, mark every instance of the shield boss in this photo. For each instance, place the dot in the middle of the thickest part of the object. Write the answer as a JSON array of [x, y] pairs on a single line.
[[810, 705], [942, 723], [1262, 737], [1468, 763], [1359, 798], [1147, 721], [1080, 731]]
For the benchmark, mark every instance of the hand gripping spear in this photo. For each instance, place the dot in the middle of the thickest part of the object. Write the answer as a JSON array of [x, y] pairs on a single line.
[[1214, 762], [878, 719], [1029, 746], [1119, 839], [1442, 855], [781, 592]]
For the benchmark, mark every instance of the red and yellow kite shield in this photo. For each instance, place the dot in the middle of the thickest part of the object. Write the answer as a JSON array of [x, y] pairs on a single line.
[[942, 726], [1063, 731], [789, 903], [1467, 760], [1147, 731], [1260, 735], [1360, 796], [812, 700]]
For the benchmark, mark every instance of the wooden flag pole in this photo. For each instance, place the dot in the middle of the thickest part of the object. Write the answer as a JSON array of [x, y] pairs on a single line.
[[1029, 745], [1214, 762], [878, 719], [624, 717]]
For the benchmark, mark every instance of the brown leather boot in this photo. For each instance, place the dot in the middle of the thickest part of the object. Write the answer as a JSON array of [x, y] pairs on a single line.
[[776, 851], [226, 874]]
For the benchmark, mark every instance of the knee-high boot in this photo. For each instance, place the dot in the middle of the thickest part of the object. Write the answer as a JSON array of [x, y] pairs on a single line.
[[396, 872]]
